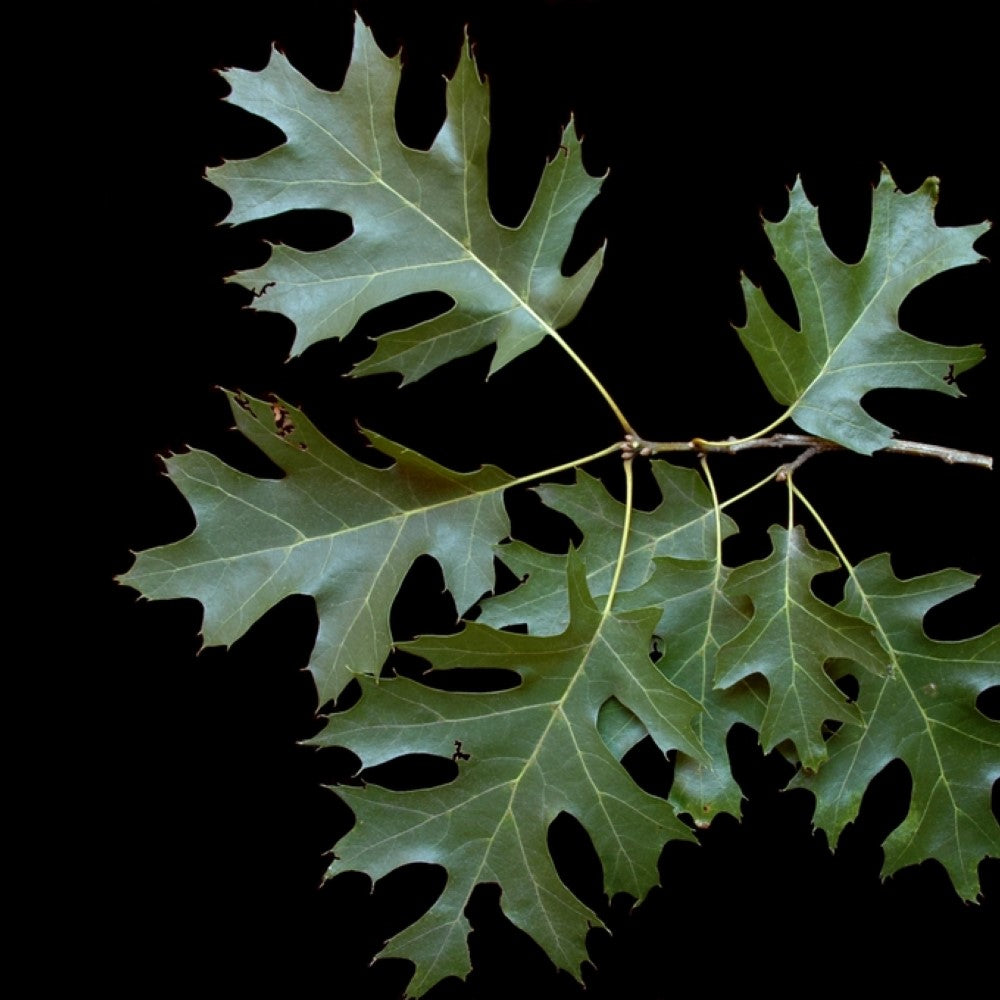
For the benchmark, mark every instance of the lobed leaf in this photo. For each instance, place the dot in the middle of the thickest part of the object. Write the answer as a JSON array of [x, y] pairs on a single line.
[[666, 566], [682, 525], [422, 219], [334, 528], [697, 617], [926, 716], [535, 751], [850, 341], [751, 644], [789, 640]]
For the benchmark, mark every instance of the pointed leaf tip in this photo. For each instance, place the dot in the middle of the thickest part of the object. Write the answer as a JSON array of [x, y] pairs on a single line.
[[849, 342], [925, 715], [422, 219], [788, 641], [535, 752], [338, 530]]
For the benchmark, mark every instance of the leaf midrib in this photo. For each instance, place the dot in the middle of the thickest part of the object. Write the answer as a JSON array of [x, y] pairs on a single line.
[[514, 784], [465, 250], [925, 718], [825, 368], [403, 515]]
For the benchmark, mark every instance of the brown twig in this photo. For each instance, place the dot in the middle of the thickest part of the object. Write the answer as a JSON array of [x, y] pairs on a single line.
[[953, 456], [789, 467]]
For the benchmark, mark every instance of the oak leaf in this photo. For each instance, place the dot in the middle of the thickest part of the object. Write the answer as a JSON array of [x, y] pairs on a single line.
[[422, 218], [336, 529]]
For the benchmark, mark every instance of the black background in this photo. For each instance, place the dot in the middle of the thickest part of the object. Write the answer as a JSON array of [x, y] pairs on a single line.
[[218, 823]]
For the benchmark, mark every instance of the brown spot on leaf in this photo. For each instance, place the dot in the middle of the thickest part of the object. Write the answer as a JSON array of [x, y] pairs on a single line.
[[282, 422]]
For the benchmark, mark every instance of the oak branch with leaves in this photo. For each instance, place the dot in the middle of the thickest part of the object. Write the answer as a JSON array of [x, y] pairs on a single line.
[[749, 644]]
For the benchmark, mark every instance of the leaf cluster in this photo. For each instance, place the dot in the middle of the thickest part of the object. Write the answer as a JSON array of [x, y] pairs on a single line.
[[641, 630]]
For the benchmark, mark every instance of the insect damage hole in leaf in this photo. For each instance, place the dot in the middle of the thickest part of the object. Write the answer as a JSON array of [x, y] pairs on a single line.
[[738, 645]]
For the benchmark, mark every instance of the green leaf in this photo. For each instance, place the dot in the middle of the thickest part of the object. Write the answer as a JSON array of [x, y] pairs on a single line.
[[698, 616], [422, 220], [332, 527], [682, 526], [850, 341], [788, 641], [926, 716], [534, 752]]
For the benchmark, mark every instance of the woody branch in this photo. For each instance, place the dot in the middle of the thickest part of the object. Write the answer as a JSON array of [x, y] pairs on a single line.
[[635, 445]]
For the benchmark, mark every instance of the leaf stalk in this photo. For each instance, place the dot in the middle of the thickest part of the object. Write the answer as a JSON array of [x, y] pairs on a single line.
[[849, 566], [531, 477], [582, 365], [716, 507], [626, 525]]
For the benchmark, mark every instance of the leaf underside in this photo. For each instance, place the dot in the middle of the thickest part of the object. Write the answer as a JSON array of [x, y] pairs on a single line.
[[422, 219], [850, 341]]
